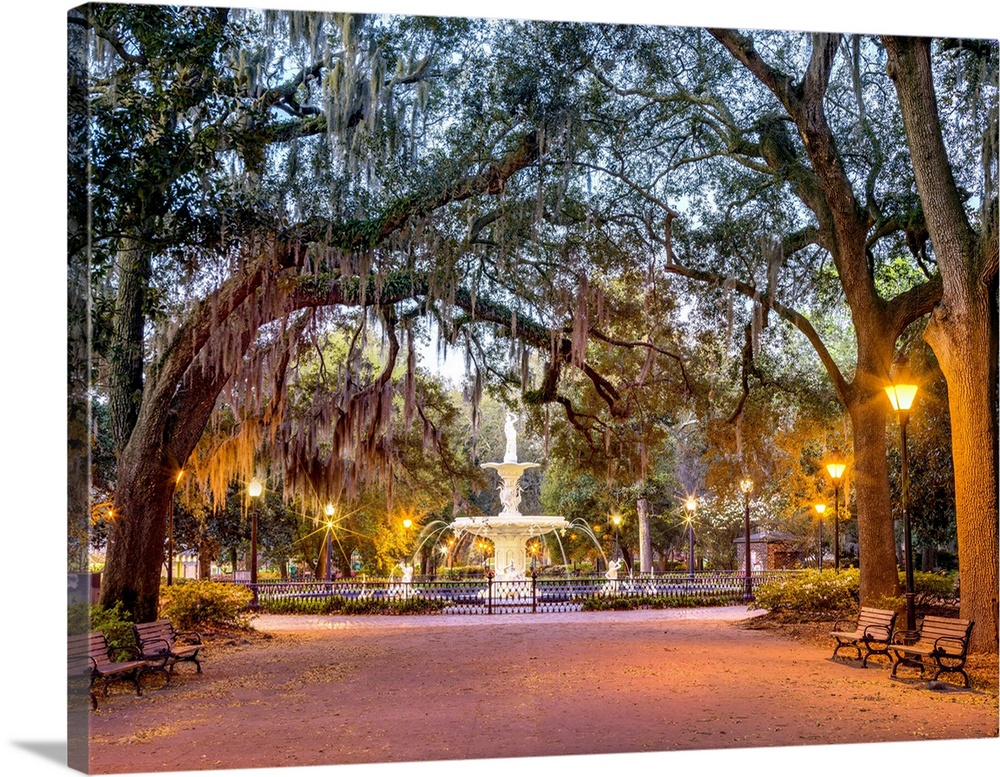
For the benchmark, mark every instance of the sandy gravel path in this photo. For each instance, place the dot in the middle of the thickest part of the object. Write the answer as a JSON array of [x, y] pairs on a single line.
[[338, 690]]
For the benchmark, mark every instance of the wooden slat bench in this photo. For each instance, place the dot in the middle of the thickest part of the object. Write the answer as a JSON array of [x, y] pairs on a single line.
[[158, 642], [79, 669], [95, 646], [870, 636], [946, 640]]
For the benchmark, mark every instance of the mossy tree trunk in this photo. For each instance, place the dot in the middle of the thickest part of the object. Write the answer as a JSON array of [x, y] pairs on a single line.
[[962, 330]]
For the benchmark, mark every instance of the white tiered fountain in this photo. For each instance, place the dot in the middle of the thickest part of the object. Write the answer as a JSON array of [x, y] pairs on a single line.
[[509, 531]]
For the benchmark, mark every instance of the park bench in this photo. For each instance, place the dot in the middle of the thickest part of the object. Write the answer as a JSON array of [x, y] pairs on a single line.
[[946, 640], [158, 642], [93, 648], [871, 633], [78, 666]]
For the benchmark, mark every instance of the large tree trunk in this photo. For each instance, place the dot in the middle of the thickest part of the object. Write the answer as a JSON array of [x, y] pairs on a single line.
[[844, 223], [645, 545], [135, 544], [877, 548], [964, 343], [962, 332]]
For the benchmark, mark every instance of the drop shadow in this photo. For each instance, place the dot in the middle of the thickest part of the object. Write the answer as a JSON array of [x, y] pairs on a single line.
[[51, 751]]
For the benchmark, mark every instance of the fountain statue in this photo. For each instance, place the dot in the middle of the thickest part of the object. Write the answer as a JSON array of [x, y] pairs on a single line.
[[509, 530]]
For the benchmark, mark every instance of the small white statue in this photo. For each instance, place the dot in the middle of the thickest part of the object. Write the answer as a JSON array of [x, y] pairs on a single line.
[[510, 497], [407, 573], [613, 567], [510, 455]]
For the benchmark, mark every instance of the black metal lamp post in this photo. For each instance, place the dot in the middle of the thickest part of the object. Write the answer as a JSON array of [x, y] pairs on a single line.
[[835, 467], [690, 506], [820, 509], [329, 510], [170, 536], [746, 486], [255, 489], [901, 392]]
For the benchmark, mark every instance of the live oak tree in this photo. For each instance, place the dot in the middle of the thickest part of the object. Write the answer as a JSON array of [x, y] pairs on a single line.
[[963, 327], [201, 132], [795, 153]]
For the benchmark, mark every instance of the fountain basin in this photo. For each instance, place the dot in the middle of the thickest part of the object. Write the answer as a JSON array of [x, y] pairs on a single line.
[[509, 535]]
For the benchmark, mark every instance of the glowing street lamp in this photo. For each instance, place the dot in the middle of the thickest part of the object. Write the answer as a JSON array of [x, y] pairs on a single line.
[[835, 469], [820, 508], [254, 490], [690, 506], [329, 510], [746, 486], [902, 391]]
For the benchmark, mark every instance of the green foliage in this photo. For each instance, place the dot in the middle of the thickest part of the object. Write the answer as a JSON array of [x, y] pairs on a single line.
[[598, 603], [342, 605], [114, 622], [811, 591], [198, 603], [471, 571], [116, 625], [932, 586], [78, 618]]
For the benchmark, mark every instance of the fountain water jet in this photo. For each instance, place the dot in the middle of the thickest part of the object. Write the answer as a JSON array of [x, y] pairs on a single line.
[[509, 531]]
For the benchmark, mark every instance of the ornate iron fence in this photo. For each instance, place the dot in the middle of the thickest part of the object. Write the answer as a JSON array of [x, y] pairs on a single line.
[[491, 595]]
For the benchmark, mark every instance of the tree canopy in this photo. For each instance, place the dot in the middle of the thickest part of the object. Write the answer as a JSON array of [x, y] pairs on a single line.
[[620, 226]]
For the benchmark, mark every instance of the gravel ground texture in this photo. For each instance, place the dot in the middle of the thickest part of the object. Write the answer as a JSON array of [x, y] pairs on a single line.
[[302, 690]]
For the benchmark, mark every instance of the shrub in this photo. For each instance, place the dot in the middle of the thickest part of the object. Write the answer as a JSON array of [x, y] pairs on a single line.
[[811, 591], [116, 625], [463, 572], [932, 587], [336, 604], [597, 603], [197, 603], [78, 618]]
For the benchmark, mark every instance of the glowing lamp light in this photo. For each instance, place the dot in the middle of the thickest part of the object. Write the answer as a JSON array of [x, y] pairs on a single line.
[[616, 519], [835, 467], [902, 389], [407, 523], [746, 485], [691, 504], [328, 509], [820, 508], [255, 488]]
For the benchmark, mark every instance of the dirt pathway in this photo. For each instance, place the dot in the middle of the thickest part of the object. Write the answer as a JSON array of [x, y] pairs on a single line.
[[381, 690]]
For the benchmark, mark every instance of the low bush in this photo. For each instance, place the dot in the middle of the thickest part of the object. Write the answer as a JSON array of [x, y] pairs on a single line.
[[194, 604], [116, 625], [462, 572], [811, 591], [329, 605], [660, 602], [932, 587]]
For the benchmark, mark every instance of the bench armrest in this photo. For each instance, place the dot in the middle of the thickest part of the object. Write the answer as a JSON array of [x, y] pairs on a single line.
[[149, 647], [194, 636], [940, 645], [878, 633]]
